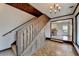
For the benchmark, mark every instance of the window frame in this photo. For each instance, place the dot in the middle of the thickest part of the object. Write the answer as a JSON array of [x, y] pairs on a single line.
[[76, 29], [62, 20]]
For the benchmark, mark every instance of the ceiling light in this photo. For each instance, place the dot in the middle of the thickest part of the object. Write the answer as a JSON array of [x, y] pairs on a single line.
[[59, 7], [56, 5], [55, 8], [50, 11], [55, 11], [50, 7]]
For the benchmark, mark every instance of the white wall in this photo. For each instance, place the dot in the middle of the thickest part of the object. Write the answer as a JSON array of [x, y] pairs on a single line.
[[10, 18], [65, 17], [47, 30]]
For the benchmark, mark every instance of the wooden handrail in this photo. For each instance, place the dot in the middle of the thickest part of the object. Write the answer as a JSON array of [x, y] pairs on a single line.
[[15, 28]]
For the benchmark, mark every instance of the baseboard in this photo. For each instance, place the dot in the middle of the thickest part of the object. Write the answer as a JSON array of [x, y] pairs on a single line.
[[5, 49], [75, 49], [58, 40]]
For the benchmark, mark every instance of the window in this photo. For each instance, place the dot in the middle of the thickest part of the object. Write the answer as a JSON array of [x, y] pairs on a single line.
[[65, 28], [61, 29], [77, 29]]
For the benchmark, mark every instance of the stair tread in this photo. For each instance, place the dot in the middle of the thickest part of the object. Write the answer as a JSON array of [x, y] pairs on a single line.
[[14, 48]]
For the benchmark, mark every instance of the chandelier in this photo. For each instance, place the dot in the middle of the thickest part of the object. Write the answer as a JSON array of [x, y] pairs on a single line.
[[55, 8]]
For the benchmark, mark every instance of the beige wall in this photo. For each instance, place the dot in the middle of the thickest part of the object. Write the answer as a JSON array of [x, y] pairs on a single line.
[[10, 18], [47, 30]]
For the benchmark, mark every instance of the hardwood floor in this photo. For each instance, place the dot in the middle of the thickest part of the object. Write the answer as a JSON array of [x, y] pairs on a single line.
[[52, 48], [7, 52]]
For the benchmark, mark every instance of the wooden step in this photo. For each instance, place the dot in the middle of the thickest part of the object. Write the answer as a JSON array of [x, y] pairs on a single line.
[[14, 48]]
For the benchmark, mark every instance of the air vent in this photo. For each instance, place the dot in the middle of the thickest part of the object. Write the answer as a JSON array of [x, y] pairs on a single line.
[[71, 6]]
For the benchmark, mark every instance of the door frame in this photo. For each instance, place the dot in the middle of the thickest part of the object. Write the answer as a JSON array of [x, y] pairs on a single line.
[[76, 29]]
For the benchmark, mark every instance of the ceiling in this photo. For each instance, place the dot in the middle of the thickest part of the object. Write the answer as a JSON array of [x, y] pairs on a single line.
[[62, 22], [26, 7], [65, 9]]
